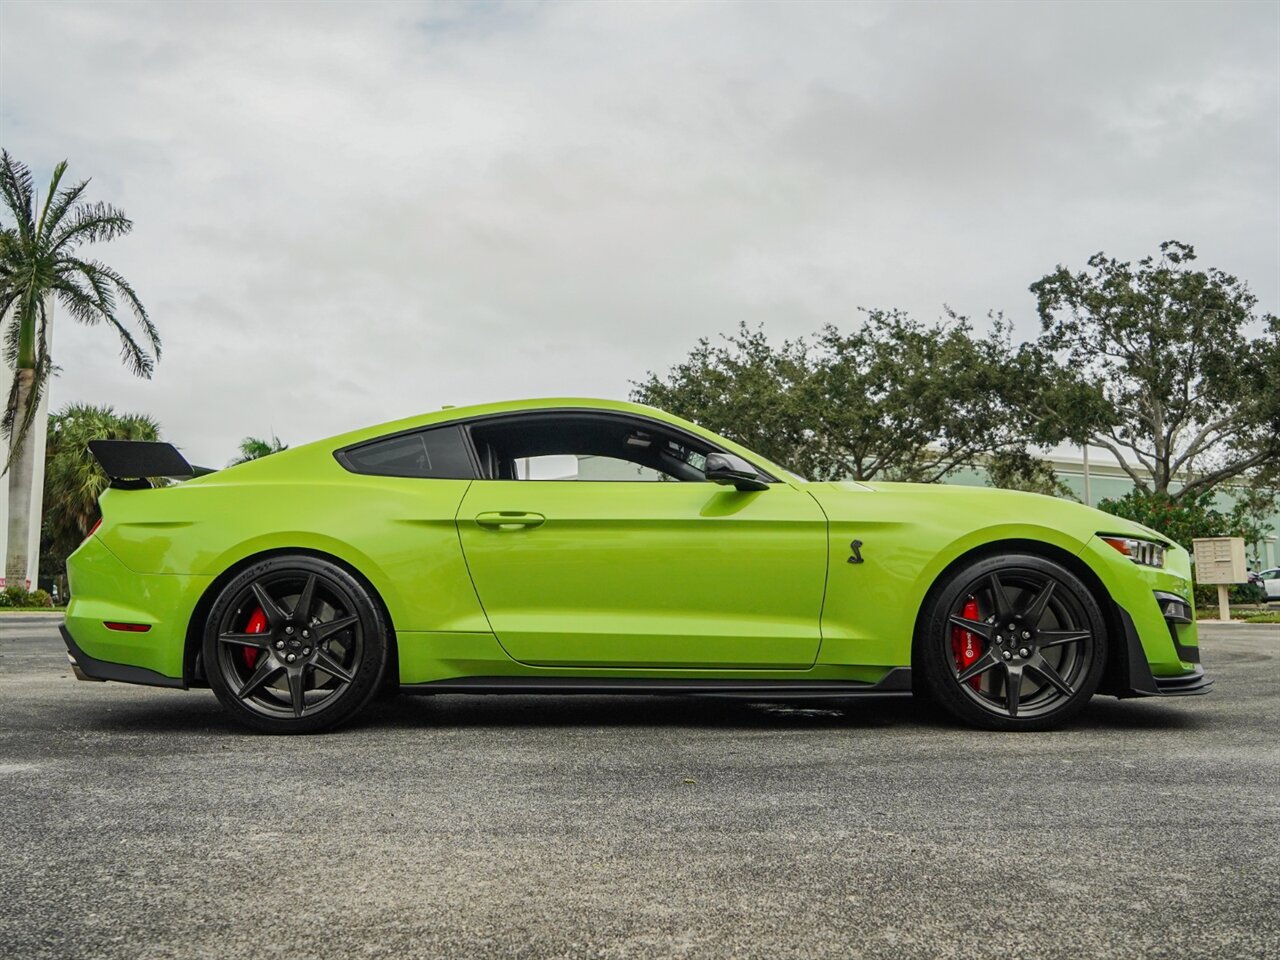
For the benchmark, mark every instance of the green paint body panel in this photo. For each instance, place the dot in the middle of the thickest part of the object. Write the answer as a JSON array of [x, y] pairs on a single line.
[[635, 579]]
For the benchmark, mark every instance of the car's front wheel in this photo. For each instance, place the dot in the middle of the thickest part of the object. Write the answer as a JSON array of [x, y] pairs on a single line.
[[294, 644], [1014, 642]]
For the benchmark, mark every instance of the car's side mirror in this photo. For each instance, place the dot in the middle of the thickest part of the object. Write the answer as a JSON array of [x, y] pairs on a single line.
[[733, 471]]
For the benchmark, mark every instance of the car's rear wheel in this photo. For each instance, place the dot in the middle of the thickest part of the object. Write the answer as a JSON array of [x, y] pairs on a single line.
[[294, 644], [1014, 642]]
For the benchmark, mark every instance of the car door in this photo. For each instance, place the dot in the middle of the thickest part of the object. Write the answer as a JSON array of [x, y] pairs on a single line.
[[636, 573]]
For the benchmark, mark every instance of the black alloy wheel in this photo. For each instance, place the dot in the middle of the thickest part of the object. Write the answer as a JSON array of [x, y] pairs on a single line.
[[1013, 642], [294, 644]]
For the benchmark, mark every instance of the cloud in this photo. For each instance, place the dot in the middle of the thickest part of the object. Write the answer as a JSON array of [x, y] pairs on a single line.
[[349, 213]]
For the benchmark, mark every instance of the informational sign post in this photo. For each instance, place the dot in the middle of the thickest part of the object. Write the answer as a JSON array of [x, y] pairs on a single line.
[[1220, 561]]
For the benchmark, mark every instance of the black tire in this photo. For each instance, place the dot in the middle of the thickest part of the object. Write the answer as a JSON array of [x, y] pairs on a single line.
[[1038, 626], [294, 644]]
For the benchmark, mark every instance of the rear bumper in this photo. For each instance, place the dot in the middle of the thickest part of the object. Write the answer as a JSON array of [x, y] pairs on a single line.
[[103, 591], [89, 668]]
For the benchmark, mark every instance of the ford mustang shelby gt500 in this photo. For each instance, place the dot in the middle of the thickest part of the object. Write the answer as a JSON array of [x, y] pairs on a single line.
[[447, 553]]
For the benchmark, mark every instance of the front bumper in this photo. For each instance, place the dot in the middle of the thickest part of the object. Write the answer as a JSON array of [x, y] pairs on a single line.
[[1140, 682], [1159, 655]]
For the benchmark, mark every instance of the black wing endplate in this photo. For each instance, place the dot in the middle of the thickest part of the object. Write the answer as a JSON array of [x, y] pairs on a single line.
[[128, 462]]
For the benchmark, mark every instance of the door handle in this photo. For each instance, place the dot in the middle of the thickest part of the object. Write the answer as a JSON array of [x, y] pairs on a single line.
[[510, 520]]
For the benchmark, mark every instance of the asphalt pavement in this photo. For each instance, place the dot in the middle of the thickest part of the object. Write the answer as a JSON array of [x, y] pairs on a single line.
[[142, 823]]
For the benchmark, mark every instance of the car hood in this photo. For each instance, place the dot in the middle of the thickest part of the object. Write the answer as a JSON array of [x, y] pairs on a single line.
[[970, 506]]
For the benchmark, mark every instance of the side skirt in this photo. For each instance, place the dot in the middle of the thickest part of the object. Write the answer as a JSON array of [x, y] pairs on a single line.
[[896, 683]]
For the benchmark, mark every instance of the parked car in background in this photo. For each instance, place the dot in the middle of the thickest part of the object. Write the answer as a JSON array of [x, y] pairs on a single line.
[[1269, 580]]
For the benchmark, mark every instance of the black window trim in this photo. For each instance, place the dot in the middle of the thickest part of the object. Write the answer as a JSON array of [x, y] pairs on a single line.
[[637, 418], [465, 424], [341, 453]]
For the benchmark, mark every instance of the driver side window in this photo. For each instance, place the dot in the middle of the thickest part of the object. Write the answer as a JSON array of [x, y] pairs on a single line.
[[585, 446]]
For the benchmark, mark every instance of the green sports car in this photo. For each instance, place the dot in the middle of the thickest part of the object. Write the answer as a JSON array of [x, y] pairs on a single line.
[[590, 546]]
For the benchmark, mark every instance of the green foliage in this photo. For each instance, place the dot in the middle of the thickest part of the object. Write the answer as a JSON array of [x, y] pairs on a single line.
[[1206, 597], [1164, 366], [1184, 518], [1019, 470], [73, 481], [253, 448], [40, 264], [891, 399], [21, 599], [14, 596]]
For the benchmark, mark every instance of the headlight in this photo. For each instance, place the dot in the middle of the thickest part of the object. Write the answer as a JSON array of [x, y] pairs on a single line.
[[1145, 553]]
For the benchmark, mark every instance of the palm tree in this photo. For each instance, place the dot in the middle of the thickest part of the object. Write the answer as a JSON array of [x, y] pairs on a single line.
[[38, 266], [253, 448], [73, 481]]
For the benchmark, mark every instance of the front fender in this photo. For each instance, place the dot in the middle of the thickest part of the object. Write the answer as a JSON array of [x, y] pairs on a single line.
[[869, 614]]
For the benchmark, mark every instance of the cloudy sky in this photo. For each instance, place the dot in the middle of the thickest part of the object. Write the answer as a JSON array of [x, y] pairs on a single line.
[[350, 213]]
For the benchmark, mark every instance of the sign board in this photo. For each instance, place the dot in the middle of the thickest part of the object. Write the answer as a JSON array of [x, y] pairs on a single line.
[[1220, 560]]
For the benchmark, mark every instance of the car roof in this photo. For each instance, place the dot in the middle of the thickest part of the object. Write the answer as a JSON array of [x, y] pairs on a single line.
[[458, 414], [450, 414]]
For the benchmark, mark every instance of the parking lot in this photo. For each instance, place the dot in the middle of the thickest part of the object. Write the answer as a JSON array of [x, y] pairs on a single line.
[[140, 823]]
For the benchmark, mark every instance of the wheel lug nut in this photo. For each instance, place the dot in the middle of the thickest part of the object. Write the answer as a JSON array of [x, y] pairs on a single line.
[[292, 657], [1026, 634], [1007, 655], [279, 644], [306, 651], [305, 634], [1023, 652], [1012, 628], [289, 630]]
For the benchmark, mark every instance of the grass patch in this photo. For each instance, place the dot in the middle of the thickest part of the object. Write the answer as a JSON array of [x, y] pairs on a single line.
[[1254, 615], [1260, 616]]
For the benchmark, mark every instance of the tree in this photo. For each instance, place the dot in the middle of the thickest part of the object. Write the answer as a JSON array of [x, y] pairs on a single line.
[[745, 388], [39, 266], [73, 480], [891, 399], [1158, 366], [253, 448], [1019, 470]]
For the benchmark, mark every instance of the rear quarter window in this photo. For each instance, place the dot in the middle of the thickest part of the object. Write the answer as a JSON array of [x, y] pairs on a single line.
[[436, 454]]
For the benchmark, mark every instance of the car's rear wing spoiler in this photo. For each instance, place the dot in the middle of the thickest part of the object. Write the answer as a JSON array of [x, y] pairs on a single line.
[[130, 462]]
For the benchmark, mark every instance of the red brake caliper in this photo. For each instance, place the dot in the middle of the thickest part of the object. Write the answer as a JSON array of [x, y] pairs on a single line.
[[966, 645], [257, 624]]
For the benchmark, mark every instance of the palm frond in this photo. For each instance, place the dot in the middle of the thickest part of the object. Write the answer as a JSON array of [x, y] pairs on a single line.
[[130, 297], [12, 331], [91, 223], [85, 307], [92, 310], [16, 422], [16, 190], [50, 198], [10, 255], [62, 203]]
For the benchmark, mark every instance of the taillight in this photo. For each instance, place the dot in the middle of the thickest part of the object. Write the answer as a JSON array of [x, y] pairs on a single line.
[[94, 528], [126, 627]]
